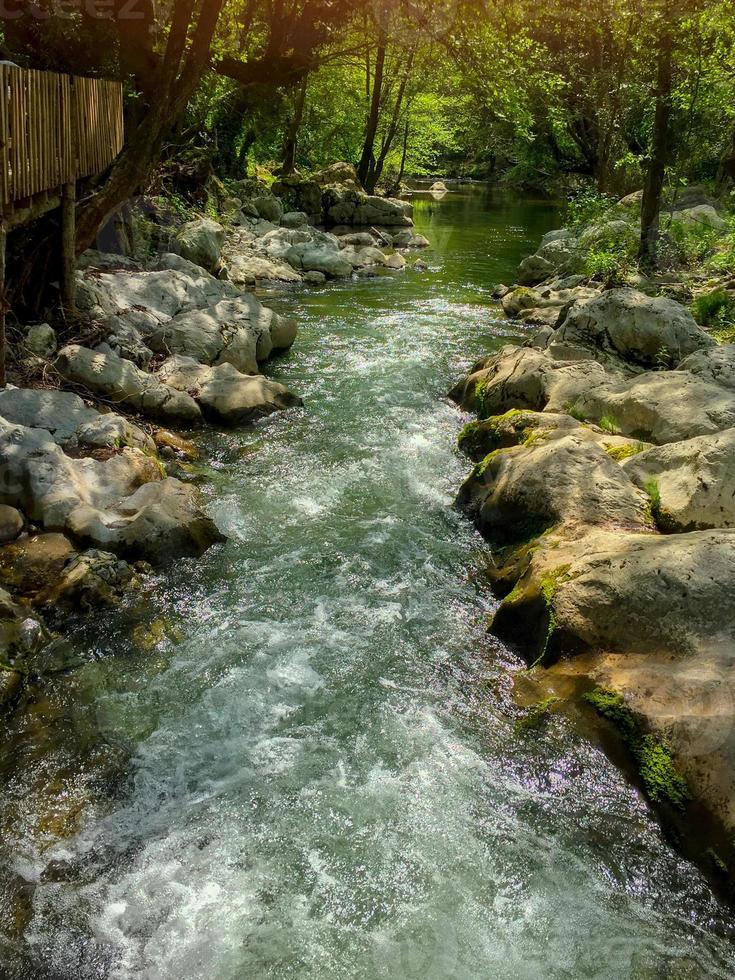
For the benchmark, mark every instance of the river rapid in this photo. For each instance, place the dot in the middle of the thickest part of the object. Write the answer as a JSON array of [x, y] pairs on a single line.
[[299, 756]]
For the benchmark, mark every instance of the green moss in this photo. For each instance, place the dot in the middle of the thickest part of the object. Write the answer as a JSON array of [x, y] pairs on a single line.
[[536, 715], [619, 453], [481, 399], [656, 511], [481, 468], [576, 412], [652, 753]]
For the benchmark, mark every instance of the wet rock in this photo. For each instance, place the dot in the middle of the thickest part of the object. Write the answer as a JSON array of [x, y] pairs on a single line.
[[357, 239], [407, 239], [364, 256], [200, 241], [224, 394], [237, 331], [11, 523], [68, 420], [319, 258], [93, 578], [438, 185], [314, 278], [122, 504], [395, 261], [122, 382], [557, 477], [170, 440], [33, 564]]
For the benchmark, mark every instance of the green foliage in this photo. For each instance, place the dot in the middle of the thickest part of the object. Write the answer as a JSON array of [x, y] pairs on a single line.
[[589, 207], [576, 412], [716, 310], [536, 715], [608, 423], [630, 449], [658, 513], [652, 753]]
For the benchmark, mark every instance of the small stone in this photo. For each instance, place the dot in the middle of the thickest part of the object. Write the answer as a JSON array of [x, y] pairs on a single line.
[[395, 261], [41, 340], [30, 635], [11, 523], [314, 278]]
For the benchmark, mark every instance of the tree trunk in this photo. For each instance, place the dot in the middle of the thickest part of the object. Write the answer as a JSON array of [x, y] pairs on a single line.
[[660, 150], [367, 160], [291, 142], [377, 170]]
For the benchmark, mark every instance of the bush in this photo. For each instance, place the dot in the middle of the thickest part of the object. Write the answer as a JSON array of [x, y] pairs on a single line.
[[588, 207], [716, 310]]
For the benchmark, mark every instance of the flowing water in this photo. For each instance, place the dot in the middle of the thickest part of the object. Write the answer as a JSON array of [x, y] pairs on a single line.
[[298, 756]]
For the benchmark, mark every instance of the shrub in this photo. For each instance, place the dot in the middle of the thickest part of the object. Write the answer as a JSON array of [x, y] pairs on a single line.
[[588, 207], [716, 310]]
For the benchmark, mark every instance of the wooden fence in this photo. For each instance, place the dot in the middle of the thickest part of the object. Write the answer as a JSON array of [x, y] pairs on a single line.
[[53, 129]]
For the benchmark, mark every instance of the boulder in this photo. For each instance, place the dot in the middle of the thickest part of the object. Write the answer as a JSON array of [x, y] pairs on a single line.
[[269, 208], [30, 566], [364, 256], [557, 235], [616, 230], [301, 194], [236, 331], [395, 261], [407, 239], [121, 504], [11, 523], [295, 219], [560, 256], [247, 268], [68, 421], [319, 258], [702, 216], [557, 477], [634, 199], [645, 330], [314, 278], [122, 382], [341, 174], [127, 341], [357, 239], [88, 580], [224, 394], [200, 241], [344, 207], [692, 483], [40, 340], [716, 364], [438, 185]]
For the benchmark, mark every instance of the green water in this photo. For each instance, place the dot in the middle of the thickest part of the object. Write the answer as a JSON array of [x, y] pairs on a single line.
[[313, 771]]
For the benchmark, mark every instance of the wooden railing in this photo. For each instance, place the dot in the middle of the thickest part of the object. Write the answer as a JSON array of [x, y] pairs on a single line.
[[54, 129]]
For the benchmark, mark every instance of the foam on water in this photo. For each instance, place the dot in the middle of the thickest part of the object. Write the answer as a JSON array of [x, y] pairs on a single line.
[[325, 778]]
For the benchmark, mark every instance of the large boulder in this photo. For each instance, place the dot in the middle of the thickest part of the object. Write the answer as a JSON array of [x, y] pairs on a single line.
[[703, 216], [557, 477], [645, 330], [246, 268], [301, 194], [122, 382], [269, 208], [121, 504], [235, 331], [341, 174], [692, 483], [617, 230], [716, 364], [295, 219], [345, 207], [559, 256], [200, 241], [224, 394], [69, 421], [319, 258]]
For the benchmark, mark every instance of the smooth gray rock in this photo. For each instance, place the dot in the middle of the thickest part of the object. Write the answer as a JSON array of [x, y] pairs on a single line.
[[224, 394], [123, 383], [40, 340], [68, 421], [200, 241]]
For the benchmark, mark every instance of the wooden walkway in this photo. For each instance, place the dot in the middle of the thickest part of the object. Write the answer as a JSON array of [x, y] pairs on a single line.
[[54, 129]]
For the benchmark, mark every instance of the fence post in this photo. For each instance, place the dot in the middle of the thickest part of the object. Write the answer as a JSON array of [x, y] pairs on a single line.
[[3, 238], [68, 215], [68, 247]]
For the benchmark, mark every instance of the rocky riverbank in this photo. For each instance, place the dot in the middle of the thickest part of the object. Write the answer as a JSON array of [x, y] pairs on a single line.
[[96, 426], [604, 482]]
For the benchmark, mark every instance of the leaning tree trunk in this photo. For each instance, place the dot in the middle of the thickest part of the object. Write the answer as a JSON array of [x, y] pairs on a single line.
[[290, 144], [367, 160], [377, 171], [660, 152]]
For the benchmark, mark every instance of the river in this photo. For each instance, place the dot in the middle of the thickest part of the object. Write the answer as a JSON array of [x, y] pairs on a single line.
[[299, 756]]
